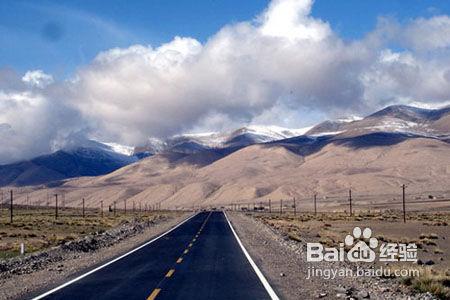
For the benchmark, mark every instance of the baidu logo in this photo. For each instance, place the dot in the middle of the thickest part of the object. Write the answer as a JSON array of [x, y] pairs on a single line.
[[363, 246], [361, 251]]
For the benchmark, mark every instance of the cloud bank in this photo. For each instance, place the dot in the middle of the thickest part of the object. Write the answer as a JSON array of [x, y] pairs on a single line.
[[284, 67]]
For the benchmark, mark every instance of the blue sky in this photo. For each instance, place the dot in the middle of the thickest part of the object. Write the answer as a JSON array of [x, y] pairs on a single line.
[[59, 36], [124, 71]]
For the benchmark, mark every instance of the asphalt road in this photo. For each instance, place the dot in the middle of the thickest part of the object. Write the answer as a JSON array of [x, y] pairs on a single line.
[[200, 259]]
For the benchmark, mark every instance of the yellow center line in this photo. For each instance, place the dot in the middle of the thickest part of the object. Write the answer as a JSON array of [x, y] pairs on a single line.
[[170, 273], [154, 294], [156, 291]]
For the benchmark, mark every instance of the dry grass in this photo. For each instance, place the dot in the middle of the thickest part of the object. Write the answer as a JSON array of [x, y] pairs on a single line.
[[436, 283], [331, 228], [38, 229]]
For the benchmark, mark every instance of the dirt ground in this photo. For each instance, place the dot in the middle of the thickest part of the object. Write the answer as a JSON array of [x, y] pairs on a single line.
[[278, 243], [38, 229], [430, 232]]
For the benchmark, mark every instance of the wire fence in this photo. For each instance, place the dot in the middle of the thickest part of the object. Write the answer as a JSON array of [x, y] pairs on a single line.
[[17, 203], [20, 202], [352, 203]]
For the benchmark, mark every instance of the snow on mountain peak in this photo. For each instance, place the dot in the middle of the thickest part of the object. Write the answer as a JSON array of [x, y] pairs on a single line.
[[276, 132], [425, 105], [349, 119], [121, 149]]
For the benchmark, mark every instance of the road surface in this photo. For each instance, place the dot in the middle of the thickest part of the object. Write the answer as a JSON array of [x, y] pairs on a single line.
[[200, 259]]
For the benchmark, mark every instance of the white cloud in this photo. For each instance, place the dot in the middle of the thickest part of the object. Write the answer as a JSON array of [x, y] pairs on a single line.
[[37, 78], [402, 77], [290, 19], [32, 120], [428, 34], [285, 67], [240, 72]]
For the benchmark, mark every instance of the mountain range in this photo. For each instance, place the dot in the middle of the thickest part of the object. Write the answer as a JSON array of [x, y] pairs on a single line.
[[372, 155], [87, 158]]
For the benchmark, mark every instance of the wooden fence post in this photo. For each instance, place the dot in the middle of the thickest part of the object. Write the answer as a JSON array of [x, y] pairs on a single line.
[[11, 213], [350, 201], [404, 205], [56, 206], [295, 207], [315, 204]]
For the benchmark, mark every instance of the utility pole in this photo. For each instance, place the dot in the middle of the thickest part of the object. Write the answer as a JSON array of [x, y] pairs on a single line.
[[101, 208], [281, 206], [350, 201], [125, 205], [295, 208], [133, 207], [56, 206], [11, 214], [315, 204], [270, 206], [114, 209], [404, 206], [83, 208]]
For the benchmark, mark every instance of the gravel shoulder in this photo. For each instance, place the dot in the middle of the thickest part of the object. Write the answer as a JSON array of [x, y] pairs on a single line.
[[283, 261], [40, 272]]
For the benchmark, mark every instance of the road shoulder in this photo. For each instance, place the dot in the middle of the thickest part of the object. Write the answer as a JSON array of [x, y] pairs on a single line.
[[283, 262], [71, 264]]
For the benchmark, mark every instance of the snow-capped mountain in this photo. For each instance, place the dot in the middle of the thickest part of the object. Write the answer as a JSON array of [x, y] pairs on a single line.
[[196, 142], [96, 150], [393, 119], [121, 149], [83, 157], [78, 157]]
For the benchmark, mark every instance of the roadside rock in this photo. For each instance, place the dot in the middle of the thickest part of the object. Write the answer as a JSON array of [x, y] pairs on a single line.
[[281, 254], [363, 295], [89, 243], [429, 262]]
